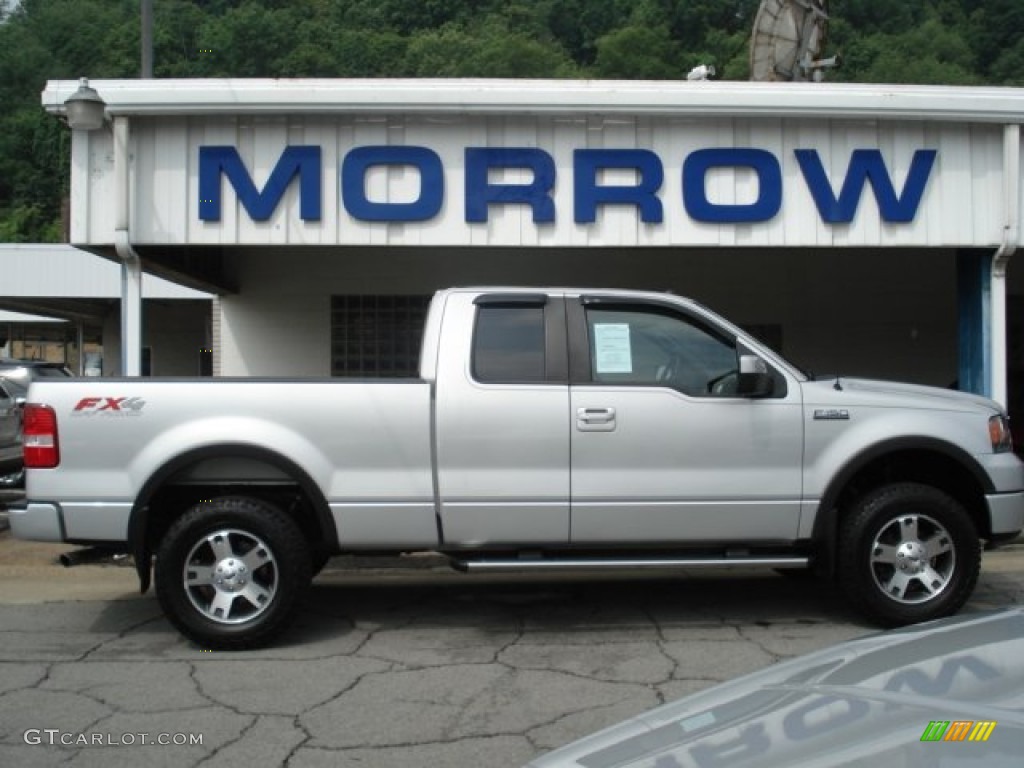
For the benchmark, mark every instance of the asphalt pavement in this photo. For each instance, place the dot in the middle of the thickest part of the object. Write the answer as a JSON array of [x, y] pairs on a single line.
[[410, 665]]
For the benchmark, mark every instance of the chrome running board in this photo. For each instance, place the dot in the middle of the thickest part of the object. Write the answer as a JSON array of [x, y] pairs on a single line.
[[495, 565]]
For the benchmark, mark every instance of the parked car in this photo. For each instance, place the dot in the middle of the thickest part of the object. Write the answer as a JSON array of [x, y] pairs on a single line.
[[15, 377], [943, 693], [20, 373], [10, 431]]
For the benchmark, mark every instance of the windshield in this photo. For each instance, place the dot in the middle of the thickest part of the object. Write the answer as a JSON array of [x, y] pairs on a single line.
[[14, 387]]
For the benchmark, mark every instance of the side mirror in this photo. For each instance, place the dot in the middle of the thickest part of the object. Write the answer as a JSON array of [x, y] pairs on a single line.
[[755, 379], [19, 402]]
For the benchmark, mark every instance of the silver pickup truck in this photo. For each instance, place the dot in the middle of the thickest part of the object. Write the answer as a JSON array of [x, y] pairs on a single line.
[[548, 430]]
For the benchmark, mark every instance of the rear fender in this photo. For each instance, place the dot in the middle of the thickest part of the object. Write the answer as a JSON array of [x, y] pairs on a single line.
[[140, 521]]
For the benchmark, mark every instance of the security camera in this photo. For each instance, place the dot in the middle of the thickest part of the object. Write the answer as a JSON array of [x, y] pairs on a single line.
[[702, 72]]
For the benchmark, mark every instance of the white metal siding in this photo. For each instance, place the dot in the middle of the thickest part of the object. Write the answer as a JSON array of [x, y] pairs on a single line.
[[60, 271], [961, 204]]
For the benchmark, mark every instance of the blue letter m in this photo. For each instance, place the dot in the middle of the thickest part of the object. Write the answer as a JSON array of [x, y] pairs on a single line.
[[866, 165], [299, 160]]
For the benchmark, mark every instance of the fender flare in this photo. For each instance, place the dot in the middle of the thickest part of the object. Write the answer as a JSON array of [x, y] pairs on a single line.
[[138, 521], [826, 519]]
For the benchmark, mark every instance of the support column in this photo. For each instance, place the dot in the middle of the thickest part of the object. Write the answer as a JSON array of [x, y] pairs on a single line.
[[80, 341], [974, 288], [1001, 259], [131, 318], [131, 264]]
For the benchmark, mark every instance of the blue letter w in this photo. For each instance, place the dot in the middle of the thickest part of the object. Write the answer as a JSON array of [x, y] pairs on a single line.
[[303, 161], [866, 165]]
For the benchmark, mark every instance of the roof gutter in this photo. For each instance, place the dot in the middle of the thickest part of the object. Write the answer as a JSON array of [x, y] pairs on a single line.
[[580, 98], [1001, 259]]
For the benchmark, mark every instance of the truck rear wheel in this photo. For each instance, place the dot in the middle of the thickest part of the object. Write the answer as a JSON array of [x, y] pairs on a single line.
[[907, 553], [231, 572]]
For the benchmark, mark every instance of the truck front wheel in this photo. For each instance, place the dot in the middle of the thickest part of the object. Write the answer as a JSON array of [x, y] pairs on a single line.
[[230, 572], [907, 553]]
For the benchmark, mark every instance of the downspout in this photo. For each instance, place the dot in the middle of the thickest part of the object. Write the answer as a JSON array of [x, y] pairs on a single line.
[[131, 264], [1001, 259]]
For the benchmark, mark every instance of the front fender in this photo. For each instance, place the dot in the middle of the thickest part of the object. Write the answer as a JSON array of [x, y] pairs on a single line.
[[826, 519]]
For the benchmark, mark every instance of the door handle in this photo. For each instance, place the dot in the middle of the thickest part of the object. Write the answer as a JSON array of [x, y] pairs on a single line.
[[595, 415], [595, 419]]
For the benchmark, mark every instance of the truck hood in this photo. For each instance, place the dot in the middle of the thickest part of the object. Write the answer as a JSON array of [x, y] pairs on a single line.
[[869, 701], [892, 394]]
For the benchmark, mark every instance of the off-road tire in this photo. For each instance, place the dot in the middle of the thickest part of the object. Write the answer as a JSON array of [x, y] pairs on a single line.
[[230, 573], [907, 553]]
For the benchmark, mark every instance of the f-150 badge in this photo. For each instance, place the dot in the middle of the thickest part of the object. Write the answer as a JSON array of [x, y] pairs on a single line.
[[831, 414]]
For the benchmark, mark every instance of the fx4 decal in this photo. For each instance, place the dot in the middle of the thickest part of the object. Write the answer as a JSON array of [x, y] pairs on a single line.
[[113, 406]]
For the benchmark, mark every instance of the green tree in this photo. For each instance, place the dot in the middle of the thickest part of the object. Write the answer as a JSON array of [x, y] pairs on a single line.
[[908, 41], [486, 49], [930, 53], [639, 53]]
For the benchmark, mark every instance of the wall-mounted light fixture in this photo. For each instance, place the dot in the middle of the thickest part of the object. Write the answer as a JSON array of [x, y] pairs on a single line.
[[86, 111]]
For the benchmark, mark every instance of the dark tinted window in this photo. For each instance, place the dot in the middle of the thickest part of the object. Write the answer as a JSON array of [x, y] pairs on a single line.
[[508, 344]]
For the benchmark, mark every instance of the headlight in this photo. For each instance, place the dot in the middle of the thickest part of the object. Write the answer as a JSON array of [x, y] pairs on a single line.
[[999, 434]]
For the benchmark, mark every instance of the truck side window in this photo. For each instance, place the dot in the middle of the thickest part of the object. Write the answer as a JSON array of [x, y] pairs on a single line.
[[508, 344], [654, 348]]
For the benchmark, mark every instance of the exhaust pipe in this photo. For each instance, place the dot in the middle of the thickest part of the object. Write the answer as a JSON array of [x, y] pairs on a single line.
[[84, 556]]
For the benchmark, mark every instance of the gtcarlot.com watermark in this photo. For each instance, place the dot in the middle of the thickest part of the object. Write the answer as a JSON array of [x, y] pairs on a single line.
[[54, 737]]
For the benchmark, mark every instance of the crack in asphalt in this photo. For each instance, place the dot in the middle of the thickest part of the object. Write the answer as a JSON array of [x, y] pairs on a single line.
[[241, 735], [759, 644], [303, 742], [518, 673], [660, 646]]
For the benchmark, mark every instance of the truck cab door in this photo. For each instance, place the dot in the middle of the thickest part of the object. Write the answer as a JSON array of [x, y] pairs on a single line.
[[502, 428], [679, 435]]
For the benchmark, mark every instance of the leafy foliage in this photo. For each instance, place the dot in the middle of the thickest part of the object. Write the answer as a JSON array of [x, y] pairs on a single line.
[[962, 42]]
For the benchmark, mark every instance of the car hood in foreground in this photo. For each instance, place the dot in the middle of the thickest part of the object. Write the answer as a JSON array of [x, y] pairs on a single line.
[[910, 697]]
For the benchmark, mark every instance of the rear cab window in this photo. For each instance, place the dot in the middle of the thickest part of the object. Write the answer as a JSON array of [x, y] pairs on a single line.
[[519, 339]]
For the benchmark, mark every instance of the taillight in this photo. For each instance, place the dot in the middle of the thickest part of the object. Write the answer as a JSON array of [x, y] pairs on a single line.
[[39, 437]]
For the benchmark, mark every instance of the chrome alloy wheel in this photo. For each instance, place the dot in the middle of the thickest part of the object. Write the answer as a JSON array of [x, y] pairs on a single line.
[[912, 559], [230, 576]]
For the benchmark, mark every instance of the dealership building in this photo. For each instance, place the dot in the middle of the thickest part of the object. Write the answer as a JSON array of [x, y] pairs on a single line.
[[66, 309], [864, 230]]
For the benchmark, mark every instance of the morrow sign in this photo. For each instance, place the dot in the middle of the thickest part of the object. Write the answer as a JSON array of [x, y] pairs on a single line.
[[836, 201]]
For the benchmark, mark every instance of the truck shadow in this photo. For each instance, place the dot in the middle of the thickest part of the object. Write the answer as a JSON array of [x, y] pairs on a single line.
[[345, 607], [566, 604]]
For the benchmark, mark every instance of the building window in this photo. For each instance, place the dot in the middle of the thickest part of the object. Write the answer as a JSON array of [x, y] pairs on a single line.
[[377, 336]]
